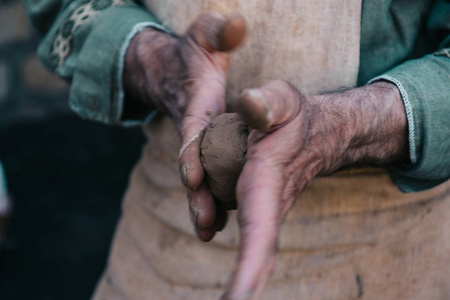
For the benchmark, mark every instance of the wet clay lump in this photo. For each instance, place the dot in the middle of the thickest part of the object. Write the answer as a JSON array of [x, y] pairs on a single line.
[[223, 151]]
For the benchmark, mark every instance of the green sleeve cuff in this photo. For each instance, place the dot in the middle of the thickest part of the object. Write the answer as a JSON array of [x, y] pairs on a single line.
[[87, 45], [425, 88], [96, 91]]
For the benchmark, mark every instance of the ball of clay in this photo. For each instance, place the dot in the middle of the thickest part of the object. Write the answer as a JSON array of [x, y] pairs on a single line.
[[223, 151]]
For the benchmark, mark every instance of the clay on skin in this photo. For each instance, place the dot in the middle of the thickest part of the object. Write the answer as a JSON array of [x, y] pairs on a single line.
[[223, 152]]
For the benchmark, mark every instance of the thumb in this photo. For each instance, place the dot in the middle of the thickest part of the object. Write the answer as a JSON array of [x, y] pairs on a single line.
[[258, 215], [214, 32], [269, 107]]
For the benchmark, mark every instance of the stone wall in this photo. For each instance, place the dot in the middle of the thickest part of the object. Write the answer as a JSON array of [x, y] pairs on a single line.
[[27, 90]]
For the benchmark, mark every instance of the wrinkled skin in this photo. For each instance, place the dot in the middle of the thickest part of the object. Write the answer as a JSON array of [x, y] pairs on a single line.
[[185, 77], [293, 137]]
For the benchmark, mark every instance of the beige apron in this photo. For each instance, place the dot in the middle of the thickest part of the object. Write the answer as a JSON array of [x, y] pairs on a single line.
[[313, 44], [349, 236]]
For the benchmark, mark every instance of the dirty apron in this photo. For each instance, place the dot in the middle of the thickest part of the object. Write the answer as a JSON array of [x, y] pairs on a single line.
[[348, 236]]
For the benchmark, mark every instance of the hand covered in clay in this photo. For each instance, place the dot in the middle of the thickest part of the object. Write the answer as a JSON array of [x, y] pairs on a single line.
[[294, 138], [185, 77]]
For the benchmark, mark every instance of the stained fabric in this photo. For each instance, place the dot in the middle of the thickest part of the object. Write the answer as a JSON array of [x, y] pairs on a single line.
[[355, 224], [349, 236]]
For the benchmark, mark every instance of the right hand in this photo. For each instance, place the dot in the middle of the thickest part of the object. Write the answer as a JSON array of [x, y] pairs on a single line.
[[185, 77], [294, 138]]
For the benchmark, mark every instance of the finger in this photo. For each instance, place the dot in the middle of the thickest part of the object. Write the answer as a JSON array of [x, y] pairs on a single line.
[[214, 32], [268, 107], [259, 219], [257, 292], [206, 91], [191, 169], [207, 101], [208, 234], [202, 207]]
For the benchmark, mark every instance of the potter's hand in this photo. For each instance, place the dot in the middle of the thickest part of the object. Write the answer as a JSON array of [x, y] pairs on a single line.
[[293, 138], [185, 77]]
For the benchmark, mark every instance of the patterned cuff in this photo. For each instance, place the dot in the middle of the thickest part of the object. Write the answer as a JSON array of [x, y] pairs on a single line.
[[86, 46], [94, 62], [79, 13]]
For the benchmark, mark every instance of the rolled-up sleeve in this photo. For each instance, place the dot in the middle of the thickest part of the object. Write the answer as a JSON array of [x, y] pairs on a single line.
[[425, 88], [84, 42]]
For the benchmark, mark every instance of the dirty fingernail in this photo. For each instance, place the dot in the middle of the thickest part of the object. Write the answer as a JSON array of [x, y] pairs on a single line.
[[193, 217], [195, 211], [183, 174]]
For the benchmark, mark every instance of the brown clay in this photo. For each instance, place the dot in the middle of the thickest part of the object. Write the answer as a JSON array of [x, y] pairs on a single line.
[[223, 151]]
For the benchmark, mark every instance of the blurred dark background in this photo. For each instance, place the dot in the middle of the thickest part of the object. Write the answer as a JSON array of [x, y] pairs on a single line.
[[66, 176]]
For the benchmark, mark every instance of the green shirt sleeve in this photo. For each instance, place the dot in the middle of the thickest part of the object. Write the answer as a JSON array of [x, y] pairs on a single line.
[[425, 88], [84, 42]]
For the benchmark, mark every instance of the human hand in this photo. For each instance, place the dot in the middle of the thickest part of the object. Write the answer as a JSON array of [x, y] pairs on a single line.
[[294, 138], [185, 77]]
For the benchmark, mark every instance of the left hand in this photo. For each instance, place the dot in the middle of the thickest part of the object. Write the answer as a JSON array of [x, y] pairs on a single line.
[[294, 138], [185, 77]]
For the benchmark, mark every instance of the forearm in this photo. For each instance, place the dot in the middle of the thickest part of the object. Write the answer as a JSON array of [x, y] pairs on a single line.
[[381, 134], [363, 126]]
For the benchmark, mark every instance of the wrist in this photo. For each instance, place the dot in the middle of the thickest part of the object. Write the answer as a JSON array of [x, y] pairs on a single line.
[[147, 63], [381, 134], [368, 126]]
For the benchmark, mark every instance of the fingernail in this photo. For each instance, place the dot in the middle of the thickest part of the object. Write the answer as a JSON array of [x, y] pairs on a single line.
[[193, 217], [195, 211], [183, 174]]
